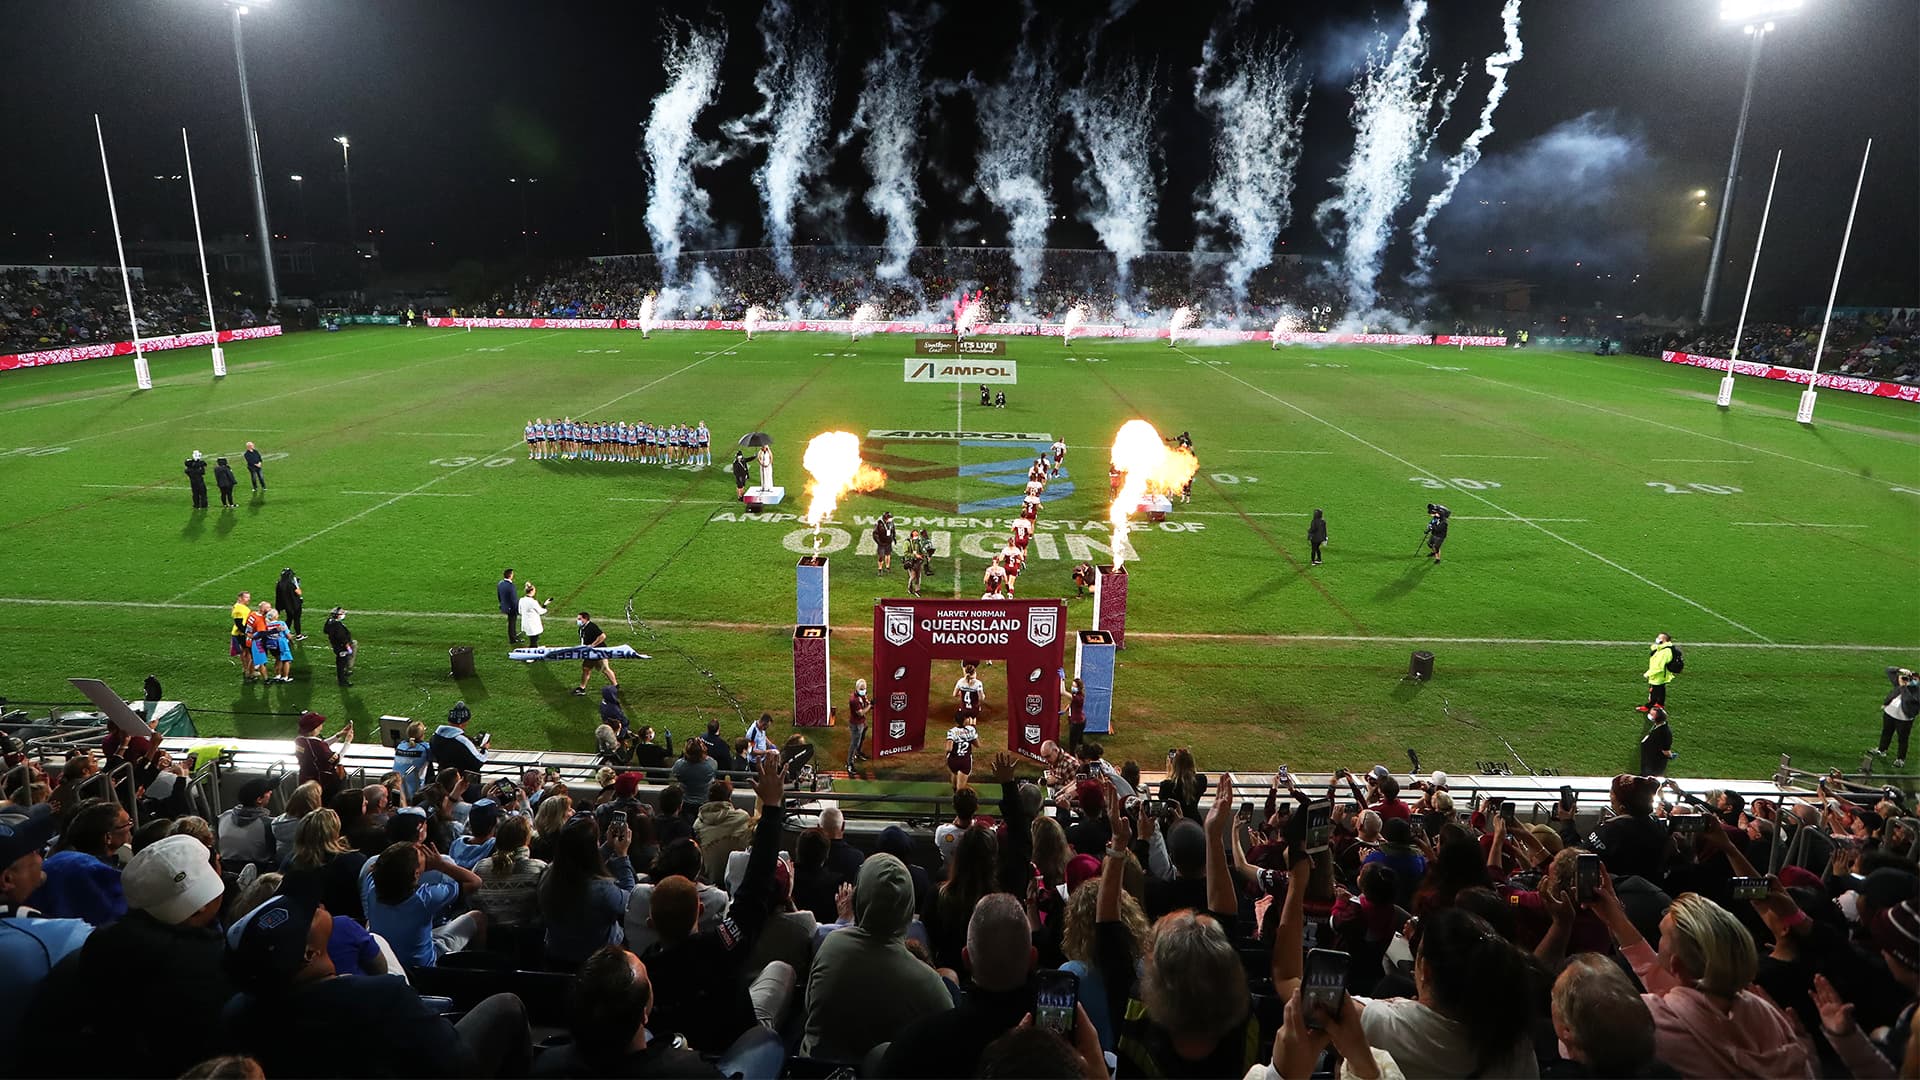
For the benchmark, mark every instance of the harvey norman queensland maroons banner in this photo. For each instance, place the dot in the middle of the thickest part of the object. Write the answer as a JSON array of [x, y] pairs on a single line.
[[1027, 637], [125, 348], [1826, 381]]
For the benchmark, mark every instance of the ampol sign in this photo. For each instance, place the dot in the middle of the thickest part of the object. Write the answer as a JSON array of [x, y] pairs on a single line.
[[960, 371]]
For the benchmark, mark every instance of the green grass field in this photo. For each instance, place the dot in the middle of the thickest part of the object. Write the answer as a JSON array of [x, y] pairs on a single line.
[[1597, 501]]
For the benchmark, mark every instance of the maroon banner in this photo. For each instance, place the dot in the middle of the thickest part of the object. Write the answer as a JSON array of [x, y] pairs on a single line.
[[1028, 638], [812, 704], [125, 348], [1826, 380]]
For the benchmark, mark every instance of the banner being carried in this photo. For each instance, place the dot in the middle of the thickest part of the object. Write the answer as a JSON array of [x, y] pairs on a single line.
[[1027, 638]]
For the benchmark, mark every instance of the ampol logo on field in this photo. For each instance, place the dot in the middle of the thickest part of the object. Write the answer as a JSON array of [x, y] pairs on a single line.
[[960, 371]]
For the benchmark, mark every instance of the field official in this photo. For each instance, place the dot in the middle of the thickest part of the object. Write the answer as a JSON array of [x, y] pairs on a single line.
[[196, 470], [1663, 663]]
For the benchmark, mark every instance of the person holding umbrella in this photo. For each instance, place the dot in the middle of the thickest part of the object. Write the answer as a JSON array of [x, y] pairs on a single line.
[[740, 475]]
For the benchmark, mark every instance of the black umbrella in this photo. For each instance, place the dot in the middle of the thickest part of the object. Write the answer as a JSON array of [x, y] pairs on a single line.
[[756, 438]]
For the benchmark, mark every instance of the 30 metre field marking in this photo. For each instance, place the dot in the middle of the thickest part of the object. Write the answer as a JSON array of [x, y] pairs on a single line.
[[1655, 423], [1643, 579], [1222, 638], [450, 473]]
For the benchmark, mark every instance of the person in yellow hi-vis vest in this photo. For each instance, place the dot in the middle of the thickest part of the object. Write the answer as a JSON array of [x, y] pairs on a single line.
[[1663, 663]]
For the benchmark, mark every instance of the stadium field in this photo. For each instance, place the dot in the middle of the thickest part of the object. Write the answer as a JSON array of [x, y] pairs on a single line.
[[1596, 502]]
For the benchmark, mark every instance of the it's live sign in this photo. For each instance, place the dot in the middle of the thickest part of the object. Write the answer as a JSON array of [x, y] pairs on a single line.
[[960, 371]]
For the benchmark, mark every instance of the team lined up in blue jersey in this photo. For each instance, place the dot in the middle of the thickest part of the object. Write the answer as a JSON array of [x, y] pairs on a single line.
[[618, 440]]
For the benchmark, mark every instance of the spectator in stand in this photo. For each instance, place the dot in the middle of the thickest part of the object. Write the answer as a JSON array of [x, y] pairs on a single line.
[[966, 806], [450, 748], [814, 884], [998, 995], [1186, 846], [1183, 784], [1084, 960], [971, 877], [866, 986], [1469, 1018], [82, 875], [406, 904], [717, 748], [1091, 830], [1656, 746], [1603, 1027], [705, 992], [1458, 864], [300, 1018], [1633, 841], [583, 895], [324, 868], [648, 754], [31, 945], [842, 858], [246, 830], [695, 772], [510, 878], [611, 714], [410, 759], [549, 818], [315, 753], [1382, 795], [1707, 1020], [478, 843], [171, 937], [721, 828], [306, 798], [680, 859], [609, 1018]]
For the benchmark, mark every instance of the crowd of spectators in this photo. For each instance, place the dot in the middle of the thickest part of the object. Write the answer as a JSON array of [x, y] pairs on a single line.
[[833, 283], [1376, 929], [55, 308], [1880, 345]]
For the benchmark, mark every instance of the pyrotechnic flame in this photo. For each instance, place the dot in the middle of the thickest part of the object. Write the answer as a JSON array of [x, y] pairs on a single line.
[[833, 469], [1148, 466], [864, 316], [971, 314], [1289, 323], [754, 317], [1182, 318], [1075, 316], [647, 322]]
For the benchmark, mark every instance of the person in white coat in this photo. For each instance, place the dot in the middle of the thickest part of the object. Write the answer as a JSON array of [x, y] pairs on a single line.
[[765, 456], [530, 612]]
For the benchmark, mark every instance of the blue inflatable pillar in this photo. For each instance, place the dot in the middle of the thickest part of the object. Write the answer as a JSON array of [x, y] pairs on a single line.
[[810, 591], [1093, 663]]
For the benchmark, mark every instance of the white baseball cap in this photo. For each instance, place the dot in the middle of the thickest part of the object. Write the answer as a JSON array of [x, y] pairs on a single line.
[[172, 878], [1439, 779], [1379, 772]]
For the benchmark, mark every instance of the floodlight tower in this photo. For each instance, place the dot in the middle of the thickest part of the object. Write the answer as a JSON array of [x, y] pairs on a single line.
[[1756, 18], [346, 177], [253, 155]]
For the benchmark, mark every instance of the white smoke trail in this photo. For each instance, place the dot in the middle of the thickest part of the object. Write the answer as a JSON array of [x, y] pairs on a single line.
[[864, 317], [1016, 134], [1181, 319], [888, 112], [690, 298], [1113, 138], [795, 85], [676, 204], [647, 321], [972, 313], [1393, 117], [1468, 156], [1076, 315], [1256, 97], [754, 317]]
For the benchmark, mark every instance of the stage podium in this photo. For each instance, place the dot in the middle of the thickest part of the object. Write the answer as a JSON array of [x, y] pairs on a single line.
[[1093, 664]]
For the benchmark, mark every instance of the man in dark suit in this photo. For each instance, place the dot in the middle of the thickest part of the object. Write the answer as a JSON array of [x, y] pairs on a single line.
[[509, 605]]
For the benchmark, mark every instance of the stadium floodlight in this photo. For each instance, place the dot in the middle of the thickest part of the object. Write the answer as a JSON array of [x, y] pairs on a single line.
[[1746, 11], [1755, 17], [346, 176], [253, 155]]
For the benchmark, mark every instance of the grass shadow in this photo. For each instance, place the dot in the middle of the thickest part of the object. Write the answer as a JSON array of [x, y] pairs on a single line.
[[196, 524], [1408, 690], [1405, 583]]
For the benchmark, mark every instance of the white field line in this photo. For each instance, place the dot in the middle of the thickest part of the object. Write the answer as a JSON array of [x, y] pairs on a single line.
[[1499, 457], [279, 396], [118, 485], [1279, 451], [1798, 525], [1661, 424], [1249, 513], [1524, 520], [223, 408], [350, 519], [445, 434], [1643, 579], [410, 494], [229, 428], [1706, 461], [867, 628]]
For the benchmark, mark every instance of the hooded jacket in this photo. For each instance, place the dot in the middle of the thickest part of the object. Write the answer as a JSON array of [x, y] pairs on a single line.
[[721, 828], [1692, 1033], [246, 835], [1657, 657], [865, 986]]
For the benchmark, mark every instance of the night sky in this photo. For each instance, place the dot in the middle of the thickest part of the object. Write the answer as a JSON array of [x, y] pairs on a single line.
[[445, 101]]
